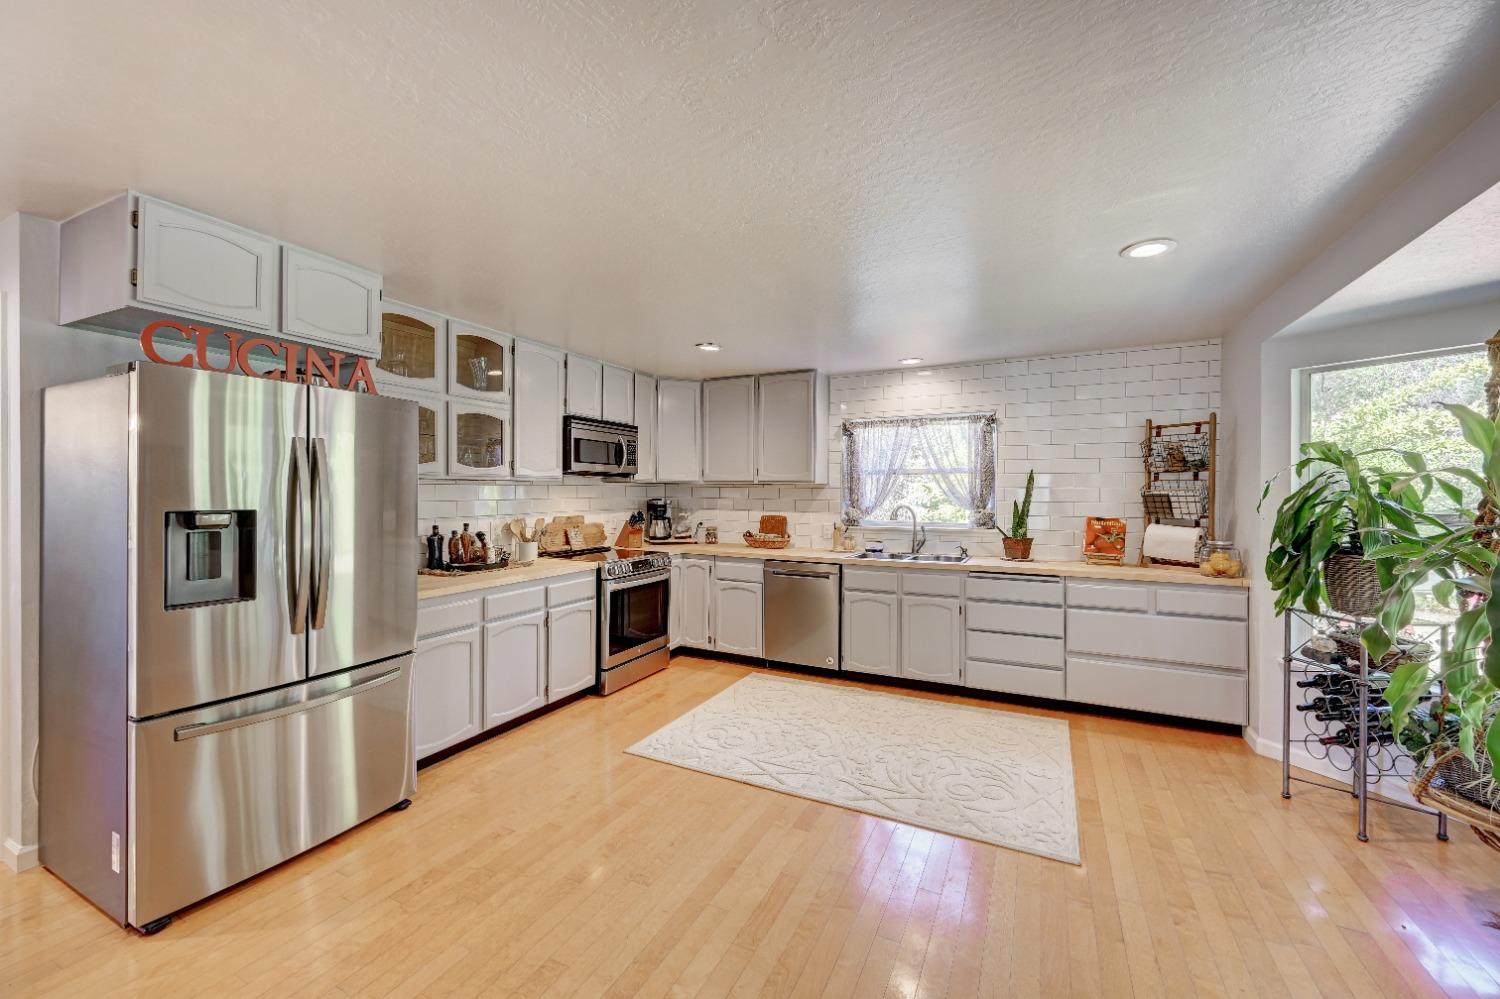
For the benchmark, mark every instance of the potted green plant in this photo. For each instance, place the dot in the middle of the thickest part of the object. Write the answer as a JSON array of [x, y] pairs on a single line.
[[1457, 734], [1329, 528], [1018, 542]]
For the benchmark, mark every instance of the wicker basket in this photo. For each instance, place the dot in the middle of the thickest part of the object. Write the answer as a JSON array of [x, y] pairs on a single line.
[[1454, 786], [1353, 584], [766, 540]]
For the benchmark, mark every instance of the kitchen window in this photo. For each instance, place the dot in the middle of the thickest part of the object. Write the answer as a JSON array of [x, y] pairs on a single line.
[[943, 467]]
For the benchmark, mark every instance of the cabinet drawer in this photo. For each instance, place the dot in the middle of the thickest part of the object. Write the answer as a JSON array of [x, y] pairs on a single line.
[[571, 590], [1016, 589], [742, 570], [1017, 619], [1110, 596], [1189, 693], [517, 600], [933, 583], [1009, 679], [434, 619], [1202, 601], [872, 580], [1016, 649], [1199, 641]]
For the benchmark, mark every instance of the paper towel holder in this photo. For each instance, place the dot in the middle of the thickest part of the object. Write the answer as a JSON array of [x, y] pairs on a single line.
[[1181, 464]]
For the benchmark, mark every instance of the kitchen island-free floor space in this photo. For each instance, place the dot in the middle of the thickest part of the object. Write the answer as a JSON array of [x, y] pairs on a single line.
[[548, 861]]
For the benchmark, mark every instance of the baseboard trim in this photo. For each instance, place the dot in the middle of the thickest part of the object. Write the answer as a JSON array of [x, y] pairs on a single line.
[[19, 857]]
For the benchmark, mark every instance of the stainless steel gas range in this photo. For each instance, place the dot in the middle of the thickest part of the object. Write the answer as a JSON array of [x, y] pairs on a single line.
[[634, 595]]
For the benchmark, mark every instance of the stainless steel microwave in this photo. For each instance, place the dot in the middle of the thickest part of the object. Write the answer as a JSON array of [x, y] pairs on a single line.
[[598, 447]]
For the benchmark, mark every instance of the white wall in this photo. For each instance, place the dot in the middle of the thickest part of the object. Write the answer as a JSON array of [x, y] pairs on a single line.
[[1077, 419], [1283, 359], [43, 354], [1256, 399]]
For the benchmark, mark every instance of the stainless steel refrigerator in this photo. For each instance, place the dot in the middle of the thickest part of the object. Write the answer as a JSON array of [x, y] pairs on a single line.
[[228, 616]]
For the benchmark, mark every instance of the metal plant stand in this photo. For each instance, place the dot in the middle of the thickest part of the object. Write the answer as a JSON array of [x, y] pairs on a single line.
[[1368, 758]]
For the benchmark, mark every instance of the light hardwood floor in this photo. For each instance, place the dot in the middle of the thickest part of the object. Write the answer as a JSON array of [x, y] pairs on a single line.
[[548, 862]]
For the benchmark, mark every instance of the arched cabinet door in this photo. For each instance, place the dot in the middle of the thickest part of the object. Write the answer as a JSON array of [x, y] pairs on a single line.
[[515, 667], [447, 677], [872, 630]]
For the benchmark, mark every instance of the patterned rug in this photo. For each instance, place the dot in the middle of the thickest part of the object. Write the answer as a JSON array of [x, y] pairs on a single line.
[[991, 775]]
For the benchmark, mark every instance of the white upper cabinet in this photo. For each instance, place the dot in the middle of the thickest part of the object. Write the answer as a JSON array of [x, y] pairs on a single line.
[[585, 387], [645, 423], [478, 362], [619, 394], [432, 429], [678, 421], [479, 440], [729, 429], [329, 302], [195, 263], [792, 428], [413, 348], [539, 386]]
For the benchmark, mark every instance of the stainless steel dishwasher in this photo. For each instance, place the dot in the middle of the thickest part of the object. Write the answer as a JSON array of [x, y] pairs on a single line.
[[802, 613]]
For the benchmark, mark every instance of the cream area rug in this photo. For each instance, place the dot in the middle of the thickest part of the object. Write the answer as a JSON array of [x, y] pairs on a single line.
[[991, 775]]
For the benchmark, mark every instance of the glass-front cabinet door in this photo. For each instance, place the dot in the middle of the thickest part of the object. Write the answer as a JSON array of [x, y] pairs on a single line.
[[432, 430], [413, 348], [478, 362], [478, 440]]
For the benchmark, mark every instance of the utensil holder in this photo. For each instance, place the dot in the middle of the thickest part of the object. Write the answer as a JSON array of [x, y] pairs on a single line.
[[525, 553]]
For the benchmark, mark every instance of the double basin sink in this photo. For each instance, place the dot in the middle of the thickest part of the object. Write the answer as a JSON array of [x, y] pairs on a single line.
[[905, 557]]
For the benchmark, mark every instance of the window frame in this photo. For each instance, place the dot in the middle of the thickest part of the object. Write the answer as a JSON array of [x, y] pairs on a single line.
[[870, 523]]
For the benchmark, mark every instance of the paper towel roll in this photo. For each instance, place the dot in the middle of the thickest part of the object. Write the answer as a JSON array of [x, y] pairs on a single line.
[[1171, 544]]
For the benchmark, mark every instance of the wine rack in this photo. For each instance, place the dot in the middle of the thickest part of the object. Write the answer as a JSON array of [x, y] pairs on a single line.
[[1347, 733]]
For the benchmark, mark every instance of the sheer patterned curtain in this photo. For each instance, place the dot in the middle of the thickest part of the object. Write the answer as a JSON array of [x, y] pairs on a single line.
[[961, 453], [874, 452]]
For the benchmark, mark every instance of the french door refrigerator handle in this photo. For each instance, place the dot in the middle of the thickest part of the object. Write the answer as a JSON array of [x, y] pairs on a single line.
[[299, 574], [240, 721], [322, 532]]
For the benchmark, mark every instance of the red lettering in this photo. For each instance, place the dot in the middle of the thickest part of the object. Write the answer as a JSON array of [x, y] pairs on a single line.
[[148, 342], [362, 376], [242, 357], [204, 333], [315, 366]]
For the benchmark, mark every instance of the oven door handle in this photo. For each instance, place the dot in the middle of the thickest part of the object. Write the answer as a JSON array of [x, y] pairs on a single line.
[[613, 586]]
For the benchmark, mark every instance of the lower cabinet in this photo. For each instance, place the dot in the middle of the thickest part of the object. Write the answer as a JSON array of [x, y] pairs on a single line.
[[674, 605], [572, 650], [492, 656], [738, 613], [872, 633], [693, 593], [515, 667], [932, 637], [447, 677]]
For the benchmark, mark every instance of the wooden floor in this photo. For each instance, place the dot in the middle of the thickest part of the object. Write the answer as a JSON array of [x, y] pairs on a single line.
[[548, 862]]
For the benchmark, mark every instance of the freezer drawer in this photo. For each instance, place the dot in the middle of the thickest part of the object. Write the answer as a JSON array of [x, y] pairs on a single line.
[[223, 793]]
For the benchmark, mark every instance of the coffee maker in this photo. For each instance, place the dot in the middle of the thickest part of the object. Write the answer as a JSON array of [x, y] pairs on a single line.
[[658, 519]]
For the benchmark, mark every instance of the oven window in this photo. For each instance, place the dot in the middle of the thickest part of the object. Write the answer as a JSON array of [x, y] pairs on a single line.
[[637, 616], [593, 452]]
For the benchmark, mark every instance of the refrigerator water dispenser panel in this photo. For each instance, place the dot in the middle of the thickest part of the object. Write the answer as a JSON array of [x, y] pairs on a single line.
[[210, 557]]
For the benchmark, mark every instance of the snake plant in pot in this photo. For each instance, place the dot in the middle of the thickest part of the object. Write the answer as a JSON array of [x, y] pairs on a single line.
[[1018, 542], [1326, 540]]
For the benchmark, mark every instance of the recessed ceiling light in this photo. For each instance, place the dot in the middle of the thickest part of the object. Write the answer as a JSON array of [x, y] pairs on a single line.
[[1149, 248], [707, 345], [925, 371], [911, 360]]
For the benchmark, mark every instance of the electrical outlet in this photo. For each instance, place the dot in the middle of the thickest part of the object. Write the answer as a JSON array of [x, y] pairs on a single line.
[[114, 852]]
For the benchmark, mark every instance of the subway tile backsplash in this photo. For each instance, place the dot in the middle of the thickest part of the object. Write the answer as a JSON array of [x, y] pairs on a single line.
[[1076, 419]]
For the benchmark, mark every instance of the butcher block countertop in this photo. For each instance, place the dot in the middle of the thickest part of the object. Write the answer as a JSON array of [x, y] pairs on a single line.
[[1078, 570], [543, 568]]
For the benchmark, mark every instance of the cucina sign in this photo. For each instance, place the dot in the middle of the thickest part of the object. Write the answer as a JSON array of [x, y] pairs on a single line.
[[292, 362]]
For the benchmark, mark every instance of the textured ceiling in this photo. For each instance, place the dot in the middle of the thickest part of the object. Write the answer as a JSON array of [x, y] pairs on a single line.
[[837, 183], [1454, 263]]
